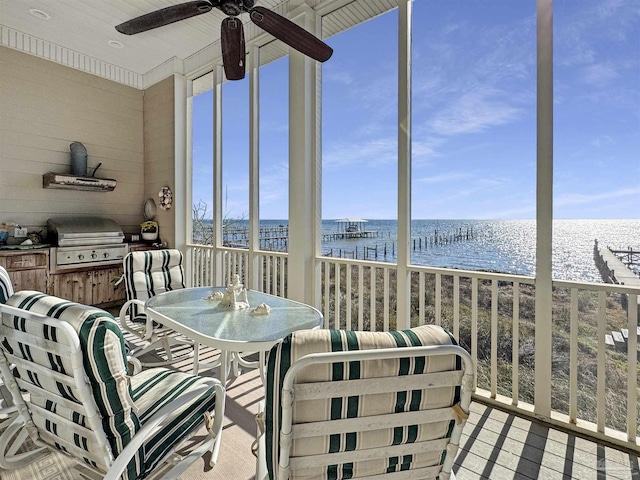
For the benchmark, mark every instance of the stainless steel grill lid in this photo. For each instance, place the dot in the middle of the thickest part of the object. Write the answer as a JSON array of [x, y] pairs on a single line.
[[72, 231]]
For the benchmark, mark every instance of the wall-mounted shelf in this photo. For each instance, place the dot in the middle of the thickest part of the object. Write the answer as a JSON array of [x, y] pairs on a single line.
[[73, 182]]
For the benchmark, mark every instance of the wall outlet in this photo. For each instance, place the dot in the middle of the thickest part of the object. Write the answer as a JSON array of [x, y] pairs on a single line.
[[20, 232]]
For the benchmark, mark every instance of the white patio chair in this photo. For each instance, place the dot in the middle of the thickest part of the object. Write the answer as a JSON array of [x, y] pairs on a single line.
[[149, 273], [344, 404], [8, 411], [70, 358]]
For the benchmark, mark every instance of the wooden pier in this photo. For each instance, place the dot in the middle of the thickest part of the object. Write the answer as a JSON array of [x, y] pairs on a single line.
[[276, 238], [613, 269], [383, 250], [272, 237], [333, 236]]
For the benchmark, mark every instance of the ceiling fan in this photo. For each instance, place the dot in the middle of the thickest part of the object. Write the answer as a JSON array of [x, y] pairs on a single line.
[[232, 38]]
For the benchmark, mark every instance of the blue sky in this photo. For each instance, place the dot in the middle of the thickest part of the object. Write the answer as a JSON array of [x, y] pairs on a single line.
[[474, 122]]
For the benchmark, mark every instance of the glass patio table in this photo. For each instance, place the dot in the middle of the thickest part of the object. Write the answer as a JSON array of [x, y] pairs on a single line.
[[192, 313]]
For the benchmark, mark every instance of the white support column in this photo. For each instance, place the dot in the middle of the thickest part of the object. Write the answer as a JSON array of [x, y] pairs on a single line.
[[217, 173], [180, 189], [188, 194], [404, 165], [544, 209], [303, 165], [316, 182], [253, 63]]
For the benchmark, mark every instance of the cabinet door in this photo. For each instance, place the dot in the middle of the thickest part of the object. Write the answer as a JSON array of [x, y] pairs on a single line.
[[74, 286], [104, 286], [35, 279]]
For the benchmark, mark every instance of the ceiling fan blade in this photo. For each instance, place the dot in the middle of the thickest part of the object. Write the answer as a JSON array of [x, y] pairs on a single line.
[[290, 33], [233, 50], [164, 16]]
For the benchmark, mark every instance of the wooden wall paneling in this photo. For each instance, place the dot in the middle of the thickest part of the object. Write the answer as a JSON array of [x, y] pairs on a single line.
[[43, 108]]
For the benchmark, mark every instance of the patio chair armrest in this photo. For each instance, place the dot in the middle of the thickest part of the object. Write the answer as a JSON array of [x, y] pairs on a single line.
[[157, 421], [125, 323], [135, 363]]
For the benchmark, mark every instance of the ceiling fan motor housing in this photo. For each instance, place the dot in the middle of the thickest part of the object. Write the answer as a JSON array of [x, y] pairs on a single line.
[[236, 7]]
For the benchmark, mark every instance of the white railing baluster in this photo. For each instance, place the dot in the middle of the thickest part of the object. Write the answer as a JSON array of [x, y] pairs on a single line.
[[360, 297], [602, 360], [267, 275], [372, 303], [234, 267], [438, 299], [632, 365], [515, 347], [573, 357], [202, 268], [336, 303], [421, 297], [348, 297], [275, 272], [456, 307], [494, 338], [327, 272], [283, 276], [474, 325], [385, 318]]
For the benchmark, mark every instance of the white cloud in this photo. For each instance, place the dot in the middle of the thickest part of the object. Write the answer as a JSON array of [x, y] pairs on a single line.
[[602, 141], [473, 112], [570, 199], [332, 74], [445, 177], [578, 38], [376, 151], [598, 74], [274, 185], [523, 211]]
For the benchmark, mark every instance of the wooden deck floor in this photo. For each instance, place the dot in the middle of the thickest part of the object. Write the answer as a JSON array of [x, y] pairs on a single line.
[[495, 445]]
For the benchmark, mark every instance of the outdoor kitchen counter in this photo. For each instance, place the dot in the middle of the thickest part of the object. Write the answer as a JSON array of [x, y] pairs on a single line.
[[28, 267]]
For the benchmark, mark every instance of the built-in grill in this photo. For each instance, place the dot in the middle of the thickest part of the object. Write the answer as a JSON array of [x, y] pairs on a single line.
[[85, 242]]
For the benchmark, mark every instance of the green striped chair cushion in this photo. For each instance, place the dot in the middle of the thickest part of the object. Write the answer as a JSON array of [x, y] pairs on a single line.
[[305, 342], [6, 286], [125, 403], [152, 390], [152, 272], [103, 350]]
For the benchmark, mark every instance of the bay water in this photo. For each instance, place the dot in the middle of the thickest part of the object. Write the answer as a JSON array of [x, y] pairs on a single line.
[[507, 246]]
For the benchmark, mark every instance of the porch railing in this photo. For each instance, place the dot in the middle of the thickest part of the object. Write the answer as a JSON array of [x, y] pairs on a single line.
[[270, 277], [594, 383]]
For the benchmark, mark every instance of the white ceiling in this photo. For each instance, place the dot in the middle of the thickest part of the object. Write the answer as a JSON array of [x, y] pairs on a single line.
[[78, 34], [86, 26]]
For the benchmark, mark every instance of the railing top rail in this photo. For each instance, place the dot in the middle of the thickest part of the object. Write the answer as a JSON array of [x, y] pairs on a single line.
[[444, 271], [481, 275], [597, 287], [364, 263], [239, 250], [507, 277]]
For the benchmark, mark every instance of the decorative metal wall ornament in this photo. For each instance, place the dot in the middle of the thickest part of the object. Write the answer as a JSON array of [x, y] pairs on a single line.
[[166, 198]]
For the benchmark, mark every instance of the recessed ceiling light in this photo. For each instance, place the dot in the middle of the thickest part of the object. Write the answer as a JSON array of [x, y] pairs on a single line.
[[115, 44], [39, 14]]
